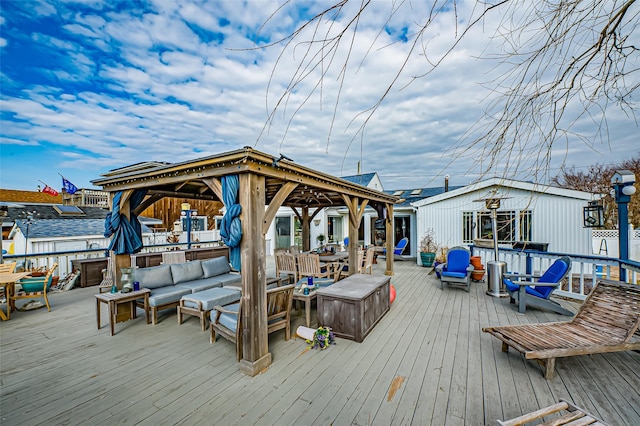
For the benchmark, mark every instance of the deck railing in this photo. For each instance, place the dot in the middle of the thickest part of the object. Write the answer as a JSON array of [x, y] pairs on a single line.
[[585, 269], [64, 258]]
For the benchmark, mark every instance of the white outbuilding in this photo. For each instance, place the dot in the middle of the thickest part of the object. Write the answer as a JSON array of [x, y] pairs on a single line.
[[528, 212]]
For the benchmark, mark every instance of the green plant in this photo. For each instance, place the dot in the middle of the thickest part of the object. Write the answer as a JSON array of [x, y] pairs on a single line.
[[442, 254], [428, 243], [322, 338], [320, 238]]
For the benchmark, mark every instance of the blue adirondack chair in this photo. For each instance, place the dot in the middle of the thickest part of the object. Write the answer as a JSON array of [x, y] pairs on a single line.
[[536, 290], [399, 249], [457, 271]]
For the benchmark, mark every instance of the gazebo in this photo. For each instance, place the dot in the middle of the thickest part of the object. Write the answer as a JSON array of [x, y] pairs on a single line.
[[253, 185]]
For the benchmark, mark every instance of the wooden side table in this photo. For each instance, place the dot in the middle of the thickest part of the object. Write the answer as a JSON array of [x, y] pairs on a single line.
[[113, 300], [306, 298]]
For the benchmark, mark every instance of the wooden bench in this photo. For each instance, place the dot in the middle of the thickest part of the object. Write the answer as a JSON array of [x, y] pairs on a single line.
[[606, 322]]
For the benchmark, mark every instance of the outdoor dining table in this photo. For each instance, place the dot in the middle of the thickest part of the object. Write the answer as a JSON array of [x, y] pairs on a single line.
[[8, 281], [339, 256]]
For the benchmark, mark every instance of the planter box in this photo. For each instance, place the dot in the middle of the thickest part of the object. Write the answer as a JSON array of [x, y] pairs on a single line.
[[353, 306], [427, 259]]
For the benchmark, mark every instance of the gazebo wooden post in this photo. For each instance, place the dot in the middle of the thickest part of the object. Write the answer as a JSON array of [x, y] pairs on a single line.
[[255, 345], [356, 211], [390, 237], [306, 233], [120, 261]]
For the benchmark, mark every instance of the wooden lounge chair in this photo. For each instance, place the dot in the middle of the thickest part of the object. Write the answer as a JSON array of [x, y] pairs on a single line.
[[606, 322], [574, 416]]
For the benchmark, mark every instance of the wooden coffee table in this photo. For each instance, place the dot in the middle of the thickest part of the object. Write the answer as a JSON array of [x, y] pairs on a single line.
[[116, 299]]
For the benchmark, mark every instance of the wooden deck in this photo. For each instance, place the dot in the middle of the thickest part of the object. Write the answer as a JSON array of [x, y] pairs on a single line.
[[426, 362]]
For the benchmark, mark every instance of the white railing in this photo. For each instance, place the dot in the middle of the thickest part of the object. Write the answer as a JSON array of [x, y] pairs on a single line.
[[64, 259], [585, 269]]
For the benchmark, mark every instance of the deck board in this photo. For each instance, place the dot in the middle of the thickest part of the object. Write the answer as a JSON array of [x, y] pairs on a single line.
[[59, 368]]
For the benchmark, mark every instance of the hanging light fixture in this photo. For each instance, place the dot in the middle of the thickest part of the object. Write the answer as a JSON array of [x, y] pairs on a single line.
[[593, 215]]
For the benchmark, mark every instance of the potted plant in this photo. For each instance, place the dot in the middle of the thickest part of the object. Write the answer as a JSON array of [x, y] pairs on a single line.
[[320, 239], [441, 257], [428, 248]]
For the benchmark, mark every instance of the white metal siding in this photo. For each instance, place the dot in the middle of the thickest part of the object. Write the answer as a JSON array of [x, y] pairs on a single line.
[[556, 220]]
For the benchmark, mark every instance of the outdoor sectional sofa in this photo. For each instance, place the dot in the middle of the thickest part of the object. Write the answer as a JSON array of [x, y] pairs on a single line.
[[168, 283]]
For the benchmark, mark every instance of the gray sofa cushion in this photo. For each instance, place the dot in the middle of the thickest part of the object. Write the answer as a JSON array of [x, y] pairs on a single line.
[[154, 277], [230, 321], [215, 266], [212, 297], [201, 284], [184, 272], [228, 279], [169, 294]]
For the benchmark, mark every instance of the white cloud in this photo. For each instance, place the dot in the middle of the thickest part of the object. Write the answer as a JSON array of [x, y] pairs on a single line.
[[155, 84]]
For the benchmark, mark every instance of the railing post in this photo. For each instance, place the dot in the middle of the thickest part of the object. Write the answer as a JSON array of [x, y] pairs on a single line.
[[529, 264]]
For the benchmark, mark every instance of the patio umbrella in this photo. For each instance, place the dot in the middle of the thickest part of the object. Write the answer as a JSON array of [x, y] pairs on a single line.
[[231, 227], [127, 234]]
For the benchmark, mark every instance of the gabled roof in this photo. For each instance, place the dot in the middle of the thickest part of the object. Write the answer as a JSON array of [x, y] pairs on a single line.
[[363, 180], [505, 183]]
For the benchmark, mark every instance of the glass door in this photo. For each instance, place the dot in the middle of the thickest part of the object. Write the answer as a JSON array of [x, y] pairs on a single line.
[[283, 232]]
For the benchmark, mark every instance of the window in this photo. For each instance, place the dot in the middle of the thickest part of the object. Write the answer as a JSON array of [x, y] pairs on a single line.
[[334, 229], [398, 192], [283, 232], [416, 192], [505, 224], [467, 227], [525, 225]]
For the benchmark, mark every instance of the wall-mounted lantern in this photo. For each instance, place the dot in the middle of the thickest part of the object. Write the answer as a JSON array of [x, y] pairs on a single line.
[[593, 215]]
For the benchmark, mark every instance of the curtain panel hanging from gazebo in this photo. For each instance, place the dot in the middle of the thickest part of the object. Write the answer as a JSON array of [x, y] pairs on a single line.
[[231, 227], [127, 234]]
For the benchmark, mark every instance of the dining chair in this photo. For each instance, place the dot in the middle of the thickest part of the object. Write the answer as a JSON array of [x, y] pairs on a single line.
[[344, 267], [172, 256], [107, 278], [7, 268], [286, 266], [367, 268], [309, 266]]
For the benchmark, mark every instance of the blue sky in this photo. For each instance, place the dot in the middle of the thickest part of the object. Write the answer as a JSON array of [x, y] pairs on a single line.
[[89, 86]]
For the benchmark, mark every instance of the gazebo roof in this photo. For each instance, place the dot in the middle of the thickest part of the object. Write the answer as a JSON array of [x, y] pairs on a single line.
[[192, 179]]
